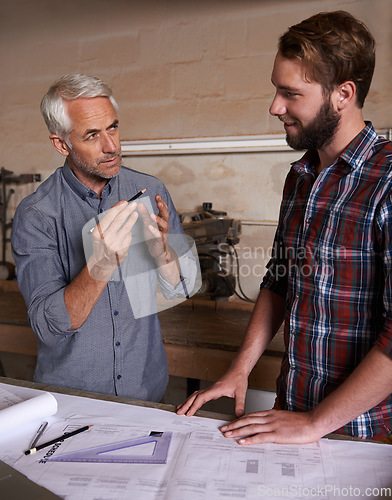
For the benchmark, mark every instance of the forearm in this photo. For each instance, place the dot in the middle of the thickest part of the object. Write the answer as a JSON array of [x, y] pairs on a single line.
[[267, 317], [169, 267], [367, 386], [80, 297]]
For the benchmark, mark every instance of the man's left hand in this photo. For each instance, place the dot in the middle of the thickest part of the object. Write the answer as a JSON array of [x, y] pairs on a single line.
[[273, 426], [156, 229]]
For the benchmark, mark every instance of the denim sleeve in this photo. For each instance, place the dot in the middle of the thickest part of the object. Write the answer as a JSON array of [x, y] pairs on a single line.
[[40, 273]]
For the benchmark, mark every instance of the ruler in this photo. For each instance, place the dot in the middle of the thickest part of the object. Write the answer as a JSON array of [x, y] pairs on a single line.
[[106, 453]]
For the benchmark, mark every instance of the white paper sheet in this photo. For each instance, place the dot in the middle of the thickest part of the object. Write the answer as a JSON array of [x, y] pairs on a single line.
[[201, 464], [112, 481], [15, 414]]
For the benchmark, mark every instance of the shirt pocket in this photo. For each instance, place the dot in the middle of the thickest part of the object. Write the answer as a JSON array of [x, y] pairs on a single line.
[[346, 238]]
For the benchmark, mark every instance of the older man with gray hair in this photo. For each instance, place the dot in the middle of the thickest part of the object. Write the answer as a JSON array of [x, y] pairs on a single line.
[[90, 334]]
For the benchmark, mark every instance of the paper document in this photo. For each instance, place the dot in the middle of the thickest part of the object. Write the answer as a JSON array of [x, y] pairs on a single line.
[[112, 481], [200, 464], [212, 466], [15, 413]]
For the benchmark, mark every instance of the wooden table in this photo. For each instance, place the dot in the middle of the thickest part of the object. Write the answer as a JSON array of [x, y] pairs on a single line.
[[201, 337]]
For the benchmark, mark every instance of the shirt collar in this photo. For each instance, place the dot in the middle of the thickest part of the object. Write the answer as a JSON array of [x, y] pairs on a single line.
[[357, 152], [83, 191], [361, 148]]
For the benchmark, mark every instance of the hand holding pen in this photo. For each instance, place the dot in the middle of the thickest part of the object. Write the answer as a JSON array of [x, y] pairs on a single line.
[[111, 239]]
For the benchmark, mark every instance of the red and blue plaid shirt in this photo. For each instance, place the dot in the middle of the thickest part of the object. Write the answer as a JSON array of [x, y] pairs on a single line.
[[332, 261]]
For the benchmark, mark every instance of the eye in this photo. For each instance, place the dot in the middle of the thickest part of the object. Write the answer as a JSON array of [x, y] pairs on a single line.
[[290, 94]]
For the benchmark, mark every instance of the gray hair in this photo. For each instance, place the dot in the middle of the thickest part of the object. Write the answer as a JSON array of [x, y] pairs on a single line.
[[68, 88]]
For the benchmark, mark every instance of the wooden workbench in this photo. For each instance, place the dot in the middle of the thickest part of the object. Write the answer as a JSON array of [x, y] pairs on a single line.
[[201, 337]]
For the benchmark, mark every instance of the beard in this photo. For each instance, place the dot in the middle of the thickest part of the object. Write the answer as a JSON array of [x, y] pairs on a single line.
[[317, 134], [94, 169]]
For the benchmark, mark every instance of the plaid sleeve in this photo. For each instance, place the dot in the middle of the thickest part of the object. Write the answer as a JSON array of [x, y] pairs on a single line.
[[384, 340], [276, 277], [384, 230]]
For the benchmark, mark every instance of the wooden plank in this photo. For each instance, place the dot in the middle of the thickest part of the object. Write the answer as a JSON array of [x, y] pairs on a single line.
[[18, 339], [214, 325], [9, 286], [211, 364]]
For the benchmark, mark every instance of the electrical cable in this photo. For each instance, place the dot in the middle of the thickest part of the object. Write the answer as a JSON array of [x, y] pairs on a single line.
[[210, 256], [238, 276]]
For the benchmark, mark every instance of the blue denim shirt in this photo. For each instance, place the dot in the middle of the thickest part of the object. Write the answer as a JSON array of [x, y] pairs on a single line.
[[112, 352]]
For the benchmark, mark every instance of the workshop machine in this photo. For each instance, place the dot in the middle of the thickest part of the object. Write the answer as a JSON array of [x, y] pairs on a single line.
[[215, 235], [7, 269]]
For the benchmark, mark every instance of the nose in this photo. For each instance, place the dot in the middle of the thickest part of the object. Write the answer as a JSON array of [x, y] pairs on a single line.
[[278, 106], [109, 144]]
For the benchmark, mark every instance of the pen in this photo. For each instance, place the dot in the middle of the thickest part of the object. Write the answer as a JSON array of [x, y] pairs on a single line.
[[39, 433], [137, 195], [61, 438]]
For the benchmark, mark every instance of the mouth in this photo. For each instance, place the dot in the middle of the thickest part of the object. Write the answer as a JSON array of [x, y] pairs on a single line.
[[286, 122], [288, 125], [109, 162]]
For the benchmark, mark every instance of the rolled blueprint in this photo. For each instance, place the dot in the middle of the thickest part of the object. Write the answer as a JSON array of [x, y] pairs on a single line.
[[26, 412]]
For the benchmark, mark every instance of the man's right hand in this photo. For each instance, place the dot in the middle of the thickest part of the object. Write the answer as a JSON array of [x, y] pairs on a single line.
[[112, 238], [231, 385]]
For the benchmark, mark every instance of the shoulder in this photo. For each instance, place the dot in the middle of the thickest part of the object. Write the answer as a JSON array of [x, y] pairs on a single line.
[[374, 148], [45, 197], [383, 147], [127, 172], [142, 179]]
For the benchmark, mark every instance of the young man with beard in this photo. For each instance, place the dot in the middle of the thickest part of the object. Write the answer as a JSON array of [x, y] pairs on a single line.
[[330, 278], [80, 304]]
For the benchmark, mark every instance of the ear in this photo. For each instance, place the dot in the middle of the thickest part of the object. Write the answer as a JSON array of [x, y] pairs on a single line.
[[60, 144], [346, 95]]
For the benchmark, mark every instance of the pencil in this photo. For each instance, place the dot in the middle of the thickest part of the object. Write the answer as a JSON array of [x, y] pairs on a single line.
[[61, 438], [137, 195]]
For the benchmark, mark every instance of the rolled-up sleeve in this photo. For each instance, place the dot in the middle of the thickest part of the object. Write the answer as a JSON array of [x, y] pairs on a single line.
[[40, 273], [188, 284]]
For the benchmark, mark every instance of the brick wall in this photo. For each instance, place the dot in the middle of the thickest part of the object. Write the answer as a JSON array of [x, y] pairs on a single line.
[[179, 69]]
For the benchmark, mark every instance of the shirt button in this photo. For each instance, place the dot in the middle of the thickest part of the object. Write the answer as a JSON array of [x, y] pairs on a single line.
[[115, 313], [293, 332], [308, 220], [118, 344], [291, 368], [118, 377]]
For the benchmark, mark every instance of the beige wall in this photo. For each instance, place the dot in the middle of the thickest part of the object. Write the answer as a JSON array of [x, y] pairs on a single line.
[[179, 69]]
